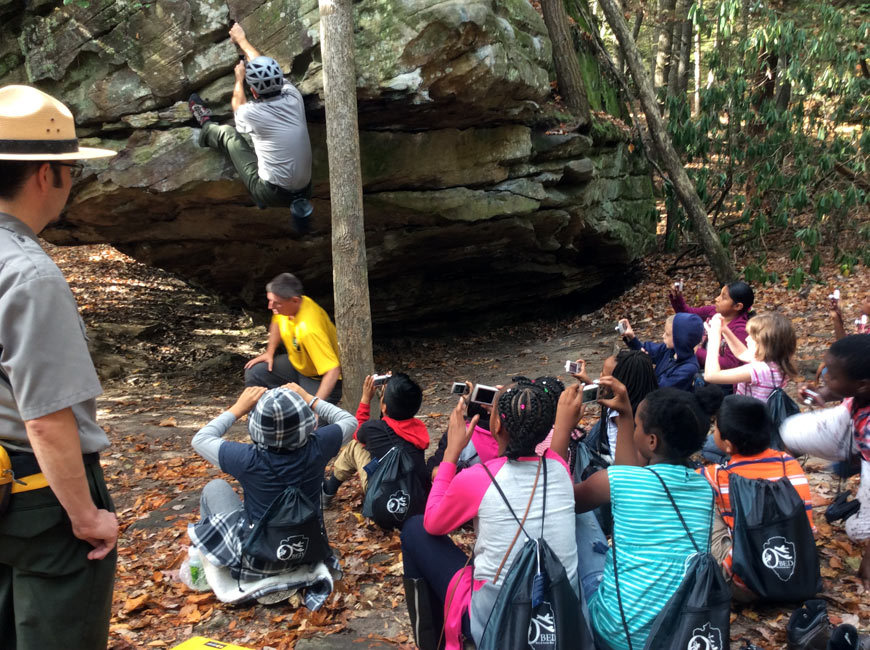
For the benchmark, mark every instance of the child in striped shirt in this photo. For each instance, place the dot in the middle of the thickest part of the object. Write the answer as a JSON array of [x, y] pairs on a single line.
[[742, 431], [770, 346]]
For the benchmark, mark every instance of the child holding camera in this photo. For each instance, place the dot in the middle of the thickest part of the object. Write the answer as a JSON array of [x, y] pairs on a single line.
[[674, 358], [397, 427], [770, 346], [734, 304], [742, 430], [521, 418], [841, 432], [650, 543]]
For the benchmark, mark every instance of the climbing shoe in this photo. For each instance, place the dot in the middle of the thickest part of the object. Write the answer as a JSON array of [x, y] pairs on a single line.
[[301, 210], [846, 637], [808, 627], [201, 113]]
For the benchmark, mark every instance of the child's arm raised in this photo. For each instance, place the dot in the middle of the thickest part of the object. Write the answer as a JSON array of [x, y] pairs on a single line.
[[207, 440], [626, 453], [713, 374], [568, 414]]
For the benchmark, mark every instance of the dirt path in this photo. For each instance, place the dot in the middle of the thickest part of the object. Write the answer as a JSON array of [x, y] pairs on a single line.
[[171, 358]]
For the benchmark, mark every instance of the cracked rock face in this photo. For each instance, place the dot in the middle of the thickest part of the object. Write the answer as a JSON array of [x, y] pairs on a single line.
[[462, 189]]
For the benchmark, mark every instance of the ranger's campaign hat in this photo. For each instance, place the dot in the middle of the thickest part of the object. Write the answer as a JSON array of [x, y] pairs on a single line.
[[35, 126]]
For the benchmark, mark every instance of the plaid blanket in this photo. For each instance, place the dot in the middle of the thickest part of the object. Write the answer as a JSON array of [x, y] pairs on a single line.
[[219, 538]]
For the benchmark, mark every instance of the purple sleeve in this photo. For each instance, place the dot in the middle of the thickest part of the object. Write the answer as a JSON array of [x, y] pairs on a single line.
[[680, 307], [455, 498]]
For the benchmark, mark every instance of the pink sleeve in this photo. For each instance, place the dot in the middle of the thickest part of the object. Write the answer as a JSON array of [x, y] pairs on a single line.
[[455, 498], [554, 456]]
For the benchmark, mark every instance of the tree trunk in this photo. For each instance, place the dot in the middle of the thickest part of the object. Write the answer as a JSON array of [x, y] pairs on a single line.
[[665, 43], [683, 186], [565, 58], [685, 59], [353, 317], [657, 30], [698, 63], [680, 14]]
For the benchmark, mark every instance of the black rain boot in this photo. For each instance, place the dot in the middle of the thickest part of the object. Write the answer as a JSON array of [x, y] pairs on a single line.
[[425, 619]]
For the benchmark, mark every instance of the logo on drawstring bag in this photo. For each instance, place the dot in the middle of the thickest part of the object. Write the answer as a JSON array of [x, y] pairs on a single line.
[[398, 503], [706, 638], [542, 628], [778, 555], [292, 548]]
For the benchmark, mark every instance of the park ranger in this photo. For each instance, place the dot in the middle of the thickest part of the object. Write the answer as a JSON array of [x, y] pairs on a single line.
[[58, 529]]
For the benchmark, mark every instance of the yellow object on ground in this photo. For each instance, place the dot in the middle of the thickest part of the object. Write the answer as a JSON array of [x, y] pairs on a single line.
[[201, 643]]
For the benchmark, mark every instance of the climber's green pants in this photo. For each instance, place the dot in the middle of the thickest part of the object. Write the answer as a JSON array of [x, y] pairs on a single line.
[[236, 147]]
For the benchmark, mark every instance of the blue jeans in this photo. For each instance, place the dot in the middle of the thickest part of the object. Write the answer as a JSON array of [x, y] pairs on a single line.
[[591, 552]]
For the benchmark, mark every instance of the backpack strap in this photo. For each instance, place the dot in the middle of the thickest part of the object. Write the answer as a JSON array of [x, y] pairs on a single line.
[[525, 514], [676, 509]]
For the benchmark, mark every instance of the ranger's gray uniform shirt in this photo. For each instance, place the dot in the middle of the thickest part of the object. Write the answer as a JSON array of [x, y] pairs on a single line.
[[280, 134], [44, 347]]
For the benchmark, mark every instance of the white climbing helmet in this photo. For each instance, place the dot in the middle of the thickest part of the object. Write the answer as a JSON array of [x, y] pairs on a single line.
[[264, 75]]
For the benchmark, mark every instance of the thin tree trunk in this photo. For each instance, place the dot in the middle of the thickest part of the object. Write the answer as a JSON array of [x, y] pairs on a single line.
[[565, 58], [698, 63], [685, 59], [680, 13], [353, 317], [665, 42], [683, 186], [654, 50]]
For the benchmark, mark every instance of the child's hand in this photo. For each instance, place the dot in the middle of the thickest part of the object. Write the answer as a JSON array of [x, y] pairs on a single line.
[[675, 293], [570, 408], [629, 332], [619, 402], [296, 388], [368, 390], [714, 326], [247, 400], [581, 376], [458, 433]]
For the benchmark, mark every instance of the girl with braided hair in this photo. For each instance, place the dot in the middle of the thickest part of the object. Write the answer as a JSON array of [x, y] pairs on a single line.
[[437, 576]]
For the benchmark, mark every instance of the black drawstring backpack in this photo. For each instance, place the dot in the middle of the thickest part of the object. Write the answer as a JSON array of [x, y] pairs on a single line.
[[773, 550], [536, 607], [289, 532], [698, 615], [394, 493], [780, 406]]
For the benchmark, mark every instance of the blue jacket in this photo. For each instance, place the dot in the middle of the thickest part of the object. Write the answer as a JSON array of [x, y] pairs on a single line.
[[676, 366]]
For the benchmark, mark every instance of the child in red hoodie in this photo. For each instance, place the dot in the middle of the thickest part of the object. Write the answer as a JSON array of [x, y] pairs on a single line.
[[397, 427]]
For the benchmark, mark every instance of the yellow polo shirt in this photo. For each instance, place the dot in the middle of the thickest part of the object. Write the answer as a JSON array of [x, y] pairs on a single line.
[[310, 339]]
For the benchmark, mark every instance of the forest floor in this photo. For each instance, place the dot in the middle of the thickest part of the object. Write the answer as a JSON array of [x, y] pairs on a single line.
[[171, 357]]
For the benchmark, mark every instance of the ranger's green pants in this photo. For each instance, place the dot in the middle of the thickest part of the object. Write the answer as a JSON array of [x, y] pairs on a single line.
[[51, 594]]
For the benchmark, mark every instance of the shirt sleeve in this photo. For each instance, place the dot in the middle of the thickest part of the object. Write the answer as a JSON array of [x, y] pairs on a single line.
[[320, 351], [454, 498], [45, 352], [207, 441], [363, 412], [240, 117], [333, 414]]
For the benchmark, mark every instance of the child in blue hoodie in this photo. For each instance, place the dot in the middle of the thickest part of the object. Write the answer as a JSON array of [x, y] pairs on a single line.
[[674, 359]]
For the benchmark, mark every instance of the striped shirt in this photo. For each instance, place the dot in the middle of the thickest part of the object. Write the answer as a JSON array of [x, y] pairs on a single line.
[[651, 545], [766, 376], [766, 465]]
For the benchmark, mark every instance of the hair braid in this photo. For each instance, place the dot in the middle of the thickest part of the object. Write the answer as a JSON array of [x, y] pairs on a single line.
[[527, 411]]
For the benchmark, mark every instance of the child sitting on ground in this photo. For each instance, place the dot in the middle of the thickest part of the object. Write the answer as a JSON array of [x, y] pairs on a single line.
[[635, 370], [397, 427], [734, 304], [770, 346], [742, 431], [650, 541], [839, 433], [674, 359]]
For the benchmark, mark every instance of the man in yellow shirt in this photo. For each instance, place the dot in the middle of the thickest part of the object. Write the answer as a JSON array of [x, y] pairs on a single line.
[[302, 347]]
